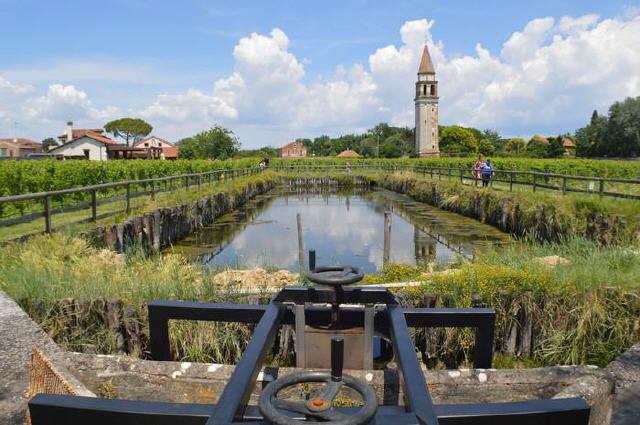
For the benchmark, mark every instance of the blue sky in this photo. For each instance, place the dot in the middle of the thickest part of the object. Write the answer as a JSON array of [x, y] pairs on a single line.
[[94, 60]]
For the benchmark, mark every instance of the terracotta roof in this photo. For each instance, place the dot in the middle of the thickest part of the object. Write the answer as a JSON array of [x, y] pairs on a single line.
[[426, 66], [291, 143], [348, 154], [153, 137], [568, 142], [79, 132], [540, 139], [99, 137], [90, 134], [170, 152], [21, 142]]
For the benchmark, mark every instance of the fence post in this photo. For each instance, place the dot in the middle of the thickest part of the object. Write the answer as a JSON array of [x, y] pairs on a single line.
[[153, 190], [94, 206], [199, 180], [47, 215], [510, 182], [461, 176], [449, 173], [534, 181], [601, 187], [186, 182], [128, 208], [564, 185]]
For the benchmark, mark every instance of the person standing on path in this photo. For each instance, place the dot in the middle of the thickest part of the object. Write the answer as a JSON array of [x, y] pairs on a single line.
[[487, 173], [475, 173]]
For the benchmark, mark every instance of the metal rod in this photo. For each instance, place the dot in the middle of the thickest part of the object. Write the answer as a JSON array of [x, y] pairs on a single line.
[[415, 385], [299, 328], [369, 324], [235, 396]]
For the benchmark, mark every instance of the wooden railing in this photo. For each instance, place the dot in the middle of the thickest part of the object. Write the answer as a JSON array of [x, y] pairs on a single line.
[[149, 187], [602, 186]]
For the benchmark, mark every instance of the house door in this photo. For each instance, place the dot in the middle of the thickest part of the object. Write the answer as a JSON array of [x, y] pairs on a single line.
[[86, 153]]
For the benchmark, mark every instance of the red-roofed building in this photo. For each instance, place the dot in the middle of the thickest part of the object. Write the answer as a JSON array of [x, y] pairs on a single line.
[[83, 143], [169, 150], [293, 150], [19, 148]]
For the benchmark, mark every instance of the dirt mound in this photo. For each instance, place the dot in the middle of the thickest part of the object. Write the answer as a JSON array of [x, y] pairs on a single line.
[[256, 278]]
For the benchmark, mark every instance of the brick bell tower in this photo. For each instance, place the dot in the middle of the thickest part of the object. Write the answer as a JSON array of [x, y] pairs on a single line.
[[426, 100]]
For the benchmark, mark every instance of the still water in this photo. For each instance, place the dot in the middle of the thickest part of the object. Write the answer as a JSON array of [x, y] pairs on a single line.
[[343, 228]]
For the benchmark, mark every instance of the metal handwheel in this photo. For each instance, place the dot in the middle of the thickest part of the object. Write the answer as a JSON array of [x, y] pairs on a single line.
[[319, 408], [340, 275]]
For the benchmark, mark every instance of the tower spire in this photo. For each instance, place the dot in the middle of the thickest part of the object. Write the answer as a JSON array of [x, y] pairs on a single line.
[[426, 66], [426, 100]]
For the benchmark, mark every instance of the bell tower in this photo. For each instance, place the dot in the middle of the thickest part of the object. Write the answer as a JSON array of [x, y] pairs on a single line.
[[426, 101]]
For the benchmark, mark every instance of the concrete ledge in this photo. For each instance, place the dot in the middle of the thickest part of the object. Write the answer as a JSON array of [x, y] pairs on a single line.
[[129, 378], [18, 335]]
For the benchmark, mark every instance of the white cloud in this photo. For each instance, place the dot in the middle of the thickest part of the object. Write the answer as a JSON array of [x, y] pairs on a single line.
[[66, 102], [545, 78]]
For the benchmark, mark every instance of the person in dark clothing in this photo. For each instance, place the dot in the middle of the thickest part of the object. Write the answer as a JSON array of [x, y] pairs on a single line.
[[487, 173]]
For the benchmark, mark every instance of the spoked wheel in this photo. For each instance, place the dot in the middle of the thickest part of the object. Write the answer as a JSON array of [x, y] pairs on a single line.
[[336, 275], [319, 408]]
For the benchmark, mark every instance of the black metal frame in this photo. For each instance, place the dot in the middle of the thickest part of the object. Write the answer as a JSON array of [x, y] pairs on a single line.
[[232, 406]]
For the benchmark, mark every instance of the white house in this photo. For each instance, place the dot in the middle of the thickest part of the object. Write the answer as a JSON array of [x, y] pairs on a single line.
[[90, 145]]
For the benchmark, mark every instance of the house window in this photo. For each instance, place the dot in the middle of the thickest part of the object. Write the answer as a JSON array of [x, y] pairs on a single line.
[[424, 90], [3, 152], [146, 145], [433, 90], [86, 153]]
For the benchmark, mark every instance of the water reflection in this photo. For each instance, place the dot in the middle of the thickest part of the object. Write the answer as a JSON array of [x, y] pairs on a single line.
[[343, 227]]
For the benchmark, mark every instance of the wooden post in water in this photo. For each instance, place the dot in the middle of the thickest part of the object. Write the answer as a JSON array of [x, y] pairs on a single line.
[[300, 243], [387, 237]]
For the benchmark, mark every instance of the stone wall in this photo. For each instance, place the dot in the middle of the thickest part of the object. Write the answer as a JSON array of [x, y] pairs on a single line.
[[164, 226]]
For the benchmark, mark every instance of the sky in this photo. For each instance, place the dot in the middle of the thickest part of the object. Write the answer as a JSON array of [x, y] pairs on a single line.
[[277, 70]]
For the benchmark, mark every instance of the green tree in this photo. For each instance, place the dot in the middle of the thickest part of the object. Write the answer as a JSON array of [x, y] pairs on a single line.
[[486, 148], [515, 146], [555, 148], [129, 129], [215, 143], [392, 147], [536, 148], [456, 139], [49, 143]]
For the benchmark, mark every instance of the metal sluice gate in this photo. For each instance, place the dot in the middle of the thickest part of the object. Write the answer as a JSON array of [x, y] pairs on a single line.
[[334, 322]]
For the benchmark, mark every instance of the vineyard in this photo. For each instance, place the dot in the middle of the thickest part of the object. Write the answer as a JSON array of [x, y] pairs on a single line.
[[18, 177]]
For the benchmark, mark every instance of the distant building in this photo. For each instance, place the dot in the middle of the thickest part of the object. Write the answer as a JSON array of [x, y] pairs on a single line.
[[540, 139], [426, 101], [569, 146], [19, 148], [293, 150], [348, 154], [169, 150], [71, 133]]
